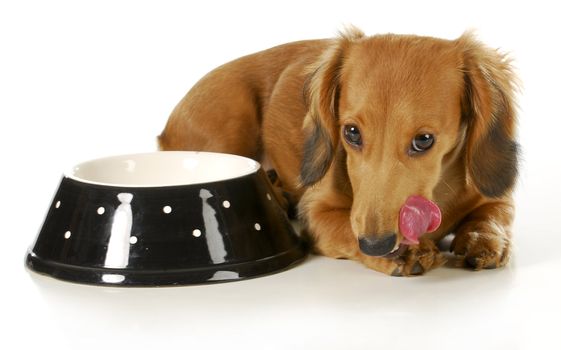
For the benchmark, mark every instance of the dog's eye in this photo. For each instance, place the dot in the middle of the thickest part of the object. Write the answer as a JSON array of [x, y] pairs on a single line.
[[352, 135], [421, 143]]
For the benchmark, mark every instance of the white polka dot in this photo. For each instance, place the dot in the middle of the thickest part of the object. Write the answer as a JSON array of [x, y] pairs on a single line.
[[226, 204], [57, 205], [133, 239], [167, 209], [197, 233], [100, 210], [269, 196], [257, 227], [67, 234]]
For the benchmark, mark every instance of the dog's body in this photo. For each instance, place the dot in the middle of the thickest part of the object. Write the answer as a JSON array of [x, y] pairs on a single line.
[[336, 119]]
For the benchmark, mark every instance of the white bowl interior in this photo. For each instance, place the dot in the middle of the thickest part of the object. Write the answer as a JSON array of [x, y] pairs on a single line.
[[163, 169]]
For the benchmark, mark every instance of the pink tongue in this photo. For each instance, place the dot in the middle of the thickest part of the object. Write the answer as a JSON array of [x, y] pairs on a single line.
[[418, 216]]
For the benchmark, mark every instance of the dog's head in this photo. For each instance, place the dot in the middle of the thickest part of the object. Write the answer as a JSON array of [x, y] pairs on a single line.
[[389, 113]]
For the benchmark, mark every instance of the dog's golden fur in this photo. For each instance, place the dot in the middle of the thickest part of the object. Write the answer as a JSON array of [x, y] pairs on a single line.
[[287, 105]]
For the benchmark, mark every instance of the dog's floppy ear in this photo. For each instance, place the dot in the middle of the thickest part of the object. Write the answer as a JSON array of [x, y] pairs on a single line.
[[321, 125], [489, 112]]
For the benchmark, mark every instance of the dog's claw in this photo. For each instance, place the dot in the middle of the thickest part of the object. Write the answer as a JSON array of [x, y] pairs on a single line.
[[273, 176], [417, 269], [478, 264], [471, 262]]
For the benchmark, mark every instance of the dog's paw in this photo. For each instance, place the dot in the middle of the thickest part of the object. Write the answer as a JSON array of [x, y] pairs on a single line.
[[408, 261], [481, 249], [418, 259]]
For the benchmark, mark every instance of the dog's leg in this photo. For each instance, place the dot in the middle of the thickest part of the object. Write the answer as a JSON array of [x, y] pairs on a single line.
[[285, 199], [483, 238], [328, 226]]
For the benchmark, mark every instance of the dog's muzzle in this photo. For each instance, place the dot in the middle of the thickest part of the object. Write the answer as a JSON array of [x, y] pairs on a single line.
[[378, 245]]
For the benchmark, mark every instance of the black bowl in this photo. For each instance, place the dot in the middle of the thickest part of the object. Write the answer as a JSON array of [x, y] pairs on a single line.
[[164, 218]]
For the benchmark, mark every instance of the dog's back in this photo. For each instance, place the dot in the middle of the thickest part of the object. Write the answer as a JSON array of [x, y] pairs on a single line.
[[223, 112]]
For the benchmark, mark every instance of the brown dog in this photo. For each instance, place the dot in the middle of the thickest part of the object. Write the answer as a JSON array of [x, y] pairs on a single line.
[[380, 138]]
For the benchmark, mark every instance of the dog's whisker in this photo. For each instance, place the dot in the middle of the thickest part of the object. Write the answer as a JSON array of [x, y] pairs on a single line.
[[452, 191]]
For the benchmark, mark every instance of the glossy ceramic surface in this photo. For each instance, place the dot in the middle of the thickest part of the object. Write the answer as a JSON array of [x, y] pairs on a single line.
[[129, 221]]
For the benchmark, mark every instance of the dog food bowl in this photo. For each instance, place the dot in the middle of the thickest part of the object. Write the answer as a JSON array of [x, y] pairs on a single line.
[[164, 218]]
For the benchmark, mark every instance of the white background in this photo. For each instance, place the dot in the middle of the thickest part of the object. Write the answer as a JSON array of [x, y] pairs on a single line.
[[80, 80]]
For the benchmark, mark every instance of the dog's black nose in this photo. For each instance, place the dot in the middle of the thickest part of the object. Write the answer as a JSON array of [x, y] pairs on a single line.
[[377, 245]]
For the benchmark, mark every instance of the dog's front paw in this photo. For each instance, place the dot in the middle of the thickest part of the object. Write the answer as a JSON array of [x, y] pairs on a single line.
[[418, 259], [482, 248], [408, 260]]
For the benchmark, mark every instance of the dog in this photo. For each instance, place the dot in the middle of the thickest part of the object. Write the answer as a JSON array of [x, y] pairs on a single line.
[[388, 143]]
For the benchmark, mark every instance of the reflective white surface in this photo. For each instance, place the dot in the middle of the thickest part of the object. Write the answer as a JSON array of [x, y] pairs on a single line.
[[162, 169], [338, 304], [82, 81], [118, 247]]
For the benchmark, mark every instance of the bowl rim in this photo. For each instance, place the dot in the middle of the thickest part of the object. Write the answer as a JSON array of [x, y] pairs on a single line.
[[252, 168]]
